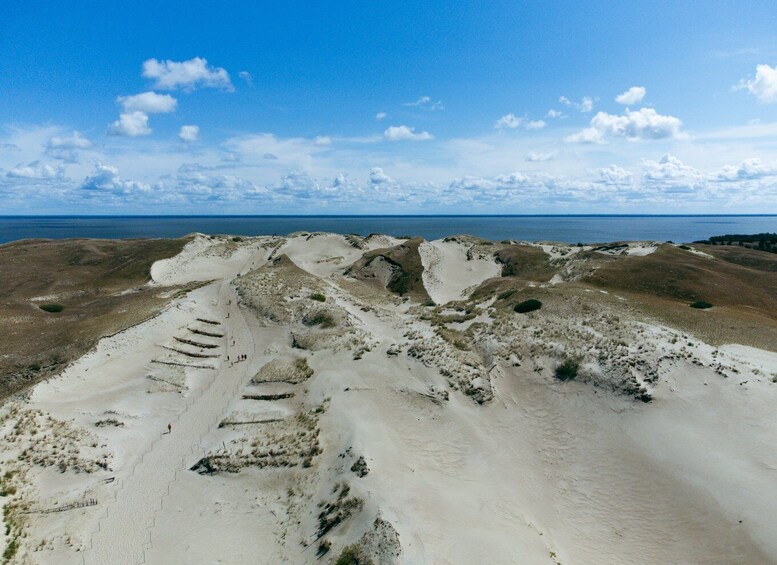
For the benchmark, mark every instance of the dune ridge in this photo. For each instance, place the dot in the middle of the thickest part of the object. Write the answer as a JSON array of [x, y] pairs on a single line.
[[382, 399]]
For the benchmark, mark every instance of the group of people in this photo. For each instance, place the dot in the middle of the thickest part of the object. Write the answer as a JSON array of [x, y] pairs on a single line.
[[241, 357]]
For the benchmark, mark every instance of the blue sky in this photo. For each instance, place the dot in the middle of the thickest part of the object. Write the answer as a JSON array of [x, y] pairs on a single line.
[[402, 107]]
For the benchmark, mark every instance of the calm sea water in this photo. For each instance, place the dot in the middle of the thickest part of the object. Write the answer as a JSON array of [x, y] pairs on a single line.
[[570, 229]]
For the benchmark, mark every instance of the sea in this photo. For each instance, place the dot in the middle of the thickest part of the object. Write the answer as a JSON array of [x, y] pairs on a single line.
[[566, 229]]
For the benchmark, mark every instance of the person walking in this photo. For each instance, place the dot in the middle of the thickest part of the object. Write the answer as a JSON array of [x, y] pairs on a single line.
[[169, 428]]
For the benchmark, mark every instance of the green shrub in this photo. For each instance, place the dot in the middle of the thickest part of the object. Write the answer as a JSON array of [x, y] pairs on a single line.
[[528, 306], [318, 296], [237, 238], [506, 294], [701, 305], [352, 555], [685, 247], [52, 308], [321, 318], [567, 370]]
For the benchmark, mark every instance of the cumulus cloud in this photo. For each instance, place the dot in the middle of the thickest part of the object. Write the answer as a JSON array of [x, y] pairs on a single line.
[[510, 121], [764, 85], [37, 170], [246, 76], [533, 157], [585, 105], [187, 75], [536, 124], [669, 174], [148, 102], [644, 123], [614, 176], [553, 114], [67, 148], [400, 133], [425, 102], [633, 95], [188, 134], [380, 116], [130, 124], [750, 169], [322, 140], [106, 179], [378, 177]]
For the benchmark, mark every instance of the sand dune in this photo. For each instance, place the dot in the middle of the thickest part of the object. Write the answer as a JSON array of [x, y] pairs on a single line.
[[366, 423]]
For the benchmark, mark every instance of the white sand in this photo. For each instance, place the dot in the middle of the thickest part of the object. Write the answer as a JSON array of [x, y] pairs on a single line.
[[545, 472], [447, 271]]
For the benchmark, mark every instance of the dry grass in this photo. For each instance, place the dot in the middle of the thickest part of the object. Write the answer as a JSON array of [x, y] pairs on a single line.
[[407, 269], [99, 283], [525, 262], [663, 284]]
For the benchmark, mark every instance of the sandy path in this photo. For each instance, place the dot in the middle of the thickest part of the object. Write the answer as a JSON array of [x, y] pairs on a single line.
[[124, 532]]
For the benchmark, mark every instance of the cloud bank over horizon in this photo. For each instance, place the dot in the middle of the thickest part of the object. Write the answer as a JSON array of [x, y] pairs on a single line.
[[167, 134]]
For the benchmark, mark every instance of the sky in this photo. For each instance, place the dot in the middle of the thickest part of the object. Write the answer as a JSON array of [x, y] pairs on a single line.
[[388, 108]]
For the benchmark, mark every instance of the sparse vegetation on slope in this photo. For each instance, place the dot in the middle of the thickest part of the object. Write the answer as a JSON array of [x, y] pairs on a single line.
[[94, 288]]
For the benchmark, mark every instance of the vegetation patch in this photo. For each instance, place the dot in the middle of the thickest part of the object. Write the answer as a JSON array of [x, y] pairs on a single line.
[[317, 296], [504, 295], [567, 371], [528, 306], [320, 318], [52, 308], [701, 305]]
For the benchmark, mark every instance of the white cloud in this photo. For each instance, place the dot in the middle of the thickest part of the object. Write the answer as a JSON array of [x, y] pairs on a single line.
[[400, 133], [380, 116], [764, 85], [644, 123], [614, 176], [187, 134], [106, 179], [188, 75], [553, 114], [585, 105], [322, 140], [633, 95], [246, 76], [536, 124], [378, 177], [669, 174], [508, 121], [426, 103], [749, 169], [533, 157], [67, 147], [37, 171], [148, 102], [588, 135], [132, 124]]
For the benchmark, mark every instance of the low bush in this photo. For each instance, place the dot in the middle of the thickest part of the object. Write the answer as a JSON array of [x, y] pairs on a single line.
[[506, 294], [318, 296], [528, 306], [567, 371], [52, 308], [701, 305], [321, 318]]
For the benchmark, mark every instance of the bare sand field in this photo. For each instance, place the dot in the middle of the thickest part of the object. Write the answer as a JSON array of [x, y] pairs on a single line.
[[320, 398]]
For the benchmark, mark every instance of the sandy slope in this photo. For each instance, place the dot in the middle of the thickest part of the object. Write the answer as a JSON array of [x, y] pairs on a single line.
[[448, 272], [535, 471]]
